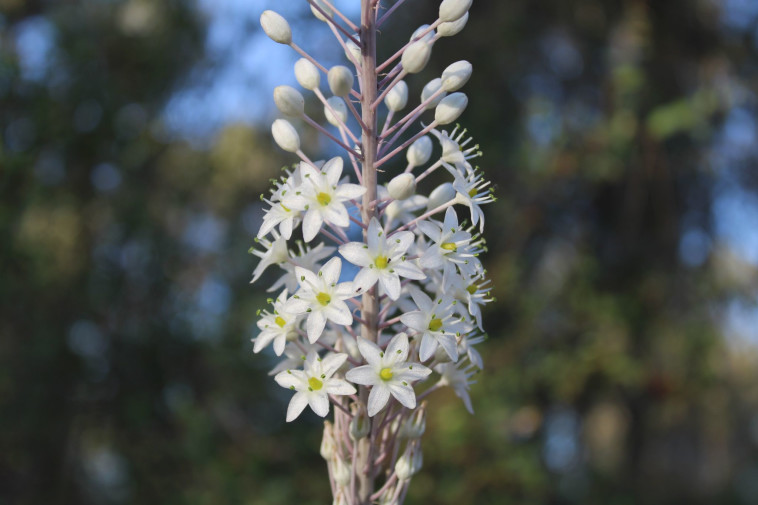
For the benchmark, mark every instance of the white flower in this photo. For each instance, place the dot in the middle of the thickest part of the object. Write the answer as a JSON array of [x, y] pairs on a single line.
[[450, 247], [275, 253], [473, 290], [454, 144], [280, 213], [435, 323], [383, 260], [295, 352], [471, 190], [322, 298], [323, 197], [388, 373], [458, 377], [278, 326], [306, 257], [314, 384]]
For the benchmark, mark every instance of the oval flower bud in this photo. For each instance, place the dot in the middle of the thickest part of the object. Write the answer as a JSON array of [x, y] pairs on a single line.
[[353, 51], [397, 97], [440, 195], [410, 462], [421, 29], [338, 106], [416, 56], [360, 426], [289, 101], [450, 108], [419, 152], [285, 135], [324, 8], [450, 10], [327, 442], [340, 470], [307, 74], [456, 75], [431, 88], [450, 28], [276, 27], [340, 80], [402, 186]]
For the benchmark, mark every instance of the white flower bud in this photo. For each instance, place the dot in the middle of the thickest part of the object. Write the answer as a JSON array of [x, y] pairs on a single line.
[[414, 426], [440, 195], [431, 88], [450, 28], [456, 75], [402, 186], [450, 10], [289, 101], [421, 29], [419, 152], [327, 442], [410, 462], [340, 470], [276, 27], [307, 74], [324, 8], [285, 135], [397, 97], [353, 50], [416, 56], [340, 80], [450, 108], [359, 425], [338, 106]]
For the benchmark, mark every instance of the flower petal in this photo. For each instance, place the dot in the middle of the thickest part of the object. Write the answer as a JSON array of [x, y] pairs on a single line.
[[350, 191], [378, 397], [311, 224], [332, 362], [290, 378], [315, 325], [366, 278], [364, 375], [397, 349], [339, 312], [339, 387], [404, 394], [370, 352], [319, 403], [330, 272], [428, 346], [333, 170], [391, 284], [296, 406], [415, 320], [356, 253]]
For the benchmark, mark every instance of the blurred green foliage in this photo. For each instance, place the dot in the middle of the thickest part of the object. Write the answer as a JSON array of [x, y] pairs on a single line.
[[126, 371]]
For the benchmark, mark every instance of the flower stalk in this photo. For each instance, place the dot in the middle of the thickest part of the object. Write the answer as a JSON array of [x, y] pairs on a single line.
[[406, 324]]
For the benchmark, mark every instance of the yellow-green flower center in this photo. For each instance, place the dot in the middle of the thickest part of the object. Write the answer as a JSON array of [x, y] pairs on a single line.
[[280, 321], [473, 288], [472, 193], [381, 262], [323, 198], [323, 298], [449, 246], [385, 374], [435, 324], [315, 384]]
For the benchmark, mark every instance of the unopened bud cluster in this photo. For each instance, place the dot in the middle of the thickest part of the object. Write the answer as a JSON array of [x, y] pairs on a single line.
[[368, 347]]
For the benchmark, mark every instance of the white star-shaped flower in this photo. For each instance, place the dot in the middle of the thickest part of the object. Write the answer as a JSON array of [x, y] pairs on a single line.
[[279, 213], [459, 378], [314, 384], [383, 260], [450, 247], [471, 190], [454, 148], [275, 253], [388, 373], [278, 326], [306, 257], [322, 298], [436, 323], [323, 198]]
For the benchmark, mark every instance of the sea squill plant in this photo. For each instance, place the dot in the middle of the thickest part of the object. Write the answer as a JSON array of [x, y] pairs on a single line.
[[406, 324]]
